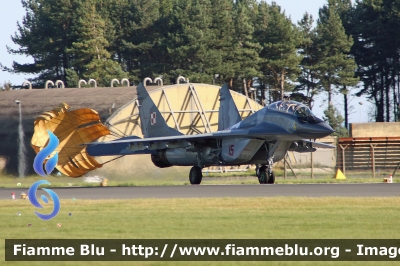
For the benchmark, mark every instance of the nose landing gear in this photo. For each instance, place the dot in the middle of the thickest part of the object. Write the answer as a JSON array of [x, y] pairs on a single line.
[[264, 173], [265, 176]]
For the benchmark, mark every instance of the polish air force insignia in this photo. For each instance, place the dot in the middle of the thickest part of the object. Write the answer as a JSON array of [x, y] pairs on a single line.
[[153, 120]]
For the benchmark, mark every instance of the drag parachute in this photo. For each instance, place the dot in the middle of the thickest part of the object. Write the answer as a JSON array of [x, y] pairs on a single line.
[[72, 128]]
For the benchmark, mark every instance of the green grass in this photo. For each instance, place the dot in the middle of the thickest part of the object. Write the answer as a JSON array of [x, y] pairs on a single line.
[[281, 217], [249, 177]]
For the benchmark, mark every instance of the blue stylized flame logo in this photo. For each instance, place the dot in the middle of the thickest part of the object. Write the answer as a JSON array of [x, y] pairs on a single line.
[[42, 155], [32, 198]]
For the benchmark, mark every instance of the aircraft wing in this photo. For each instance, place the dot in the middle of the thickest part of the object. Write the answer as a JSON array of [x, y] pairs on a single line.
[[136, 145], [156, 139], [189, 138]]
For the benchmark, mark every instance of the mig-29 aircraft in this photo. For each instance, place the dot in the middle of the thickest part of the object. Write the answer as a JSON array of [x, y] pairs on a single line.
[[262, 138]]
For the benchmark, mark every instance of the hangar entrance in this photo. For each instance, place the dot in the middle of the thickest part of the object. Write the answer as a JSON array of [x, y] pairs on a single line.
[[189, 108]]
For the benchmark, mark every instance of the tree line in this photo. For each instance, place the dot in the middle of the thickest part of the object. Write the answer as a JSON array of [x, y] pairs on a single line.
[[245, 43]]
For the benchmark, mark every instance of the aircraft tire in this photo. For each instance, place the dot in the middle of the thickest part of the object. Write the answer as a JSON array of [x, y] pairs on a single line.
[[195, 175], [262, 178], [271, 179], [262, 168]]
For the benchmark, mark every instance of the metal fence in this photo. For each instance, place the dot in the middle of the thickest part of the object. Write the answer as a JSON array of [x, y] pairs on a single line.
[[378, 153]]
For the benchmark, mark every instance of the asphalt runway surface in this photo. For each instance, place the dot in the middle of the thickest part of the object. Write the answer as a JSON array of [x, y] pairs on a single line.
[[212, 191]]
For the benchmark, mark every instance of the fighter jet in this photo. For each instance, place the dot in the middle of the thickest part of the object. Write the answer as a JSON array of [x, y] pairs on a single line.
[[262, 138]]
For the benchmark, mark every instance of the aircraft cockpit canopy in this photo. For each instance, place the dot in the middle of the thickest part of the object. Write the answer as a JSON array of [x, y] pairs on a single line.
[[301, 111]]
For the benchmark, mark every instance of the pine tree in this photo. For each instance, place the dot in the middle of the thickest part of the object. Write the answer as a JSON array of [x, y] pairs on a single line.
[[222, 34], [280, 61], [45, 34], [308, 78], [335, 65], [377, 53], [335, 120], [141, 40], [90, 56], [189, 40], [245, 48]]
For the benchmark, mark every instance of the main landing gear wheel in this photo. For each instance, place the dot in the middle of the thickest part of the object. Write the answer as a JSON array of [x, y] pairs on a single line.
[[262, 174], [262, 177], [195, 175], [271, 179]]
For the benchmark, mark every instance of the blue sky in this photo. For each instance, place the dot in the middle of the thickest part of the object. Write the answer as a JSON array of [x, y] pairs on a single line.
[[12, 11]]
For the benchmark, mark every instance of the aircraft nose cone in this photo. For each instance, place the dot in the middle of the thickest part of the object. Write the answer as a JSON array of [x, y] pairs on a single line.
[[319, 130], [325, 128]]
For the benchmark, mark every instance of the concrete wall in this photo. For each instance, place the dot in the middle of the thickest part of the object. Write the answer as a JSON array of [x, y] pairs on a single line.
[[377, 129]]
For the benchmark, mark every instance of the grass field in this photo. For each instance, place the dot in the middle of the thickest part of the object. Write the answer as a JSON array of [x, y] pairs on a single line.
[[8, 181], [215, 218]]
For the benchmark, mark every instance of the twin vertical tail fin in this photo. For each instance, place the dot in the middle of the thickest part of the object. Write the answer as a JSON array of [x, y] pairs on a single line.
[[228, 112], [153, 124]]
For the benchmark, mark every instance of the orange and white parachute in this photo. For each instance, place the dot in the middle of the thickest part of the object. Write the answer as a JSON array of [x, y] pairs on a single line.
[[73, 128]]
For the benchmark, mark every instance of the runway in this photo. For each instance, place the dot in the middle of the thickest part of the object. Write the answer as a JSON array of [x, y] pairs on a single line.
[[211, 191]]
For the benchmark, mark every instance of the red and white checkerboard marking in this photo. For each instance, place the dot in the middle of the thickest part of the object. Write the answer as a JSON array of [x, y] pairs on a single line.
[[153, 119]]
